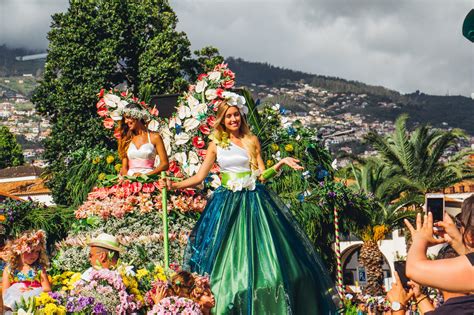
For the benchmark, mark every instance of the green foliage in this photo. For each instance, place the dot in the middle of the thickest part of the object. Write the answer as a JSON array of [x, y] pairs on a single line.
[[30, 215], [416, 157], [11, 153], [100, 44], [84, 168], [207, 58]]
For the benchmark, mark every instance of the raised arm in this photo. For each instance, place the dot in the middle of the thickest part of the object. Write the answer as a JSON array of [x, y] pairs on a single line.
[[203, 170], [453, 274], [160, 149]]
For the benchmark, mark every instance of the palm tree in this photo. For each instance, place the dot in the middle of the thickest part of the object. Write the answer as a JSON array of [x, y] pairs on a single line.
[[375, 178], [417, 157]]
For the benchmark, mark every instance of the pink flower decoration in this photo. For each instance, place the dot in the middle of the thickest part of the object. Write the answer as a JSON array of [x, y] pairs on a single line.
[[148, 188], [136, 187], [211, 120], [108, 123], [198, 142], [205, 129], [228, 84]]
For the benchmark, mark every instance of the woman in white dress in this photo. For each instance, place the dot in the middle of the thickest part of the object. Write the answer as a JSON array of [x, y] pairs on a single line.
[[142, 151]]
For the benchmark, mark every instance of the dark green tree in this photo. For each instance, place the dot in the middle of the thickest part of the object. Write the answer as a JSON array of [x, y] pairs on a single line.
[[11, 153], [97, 44]]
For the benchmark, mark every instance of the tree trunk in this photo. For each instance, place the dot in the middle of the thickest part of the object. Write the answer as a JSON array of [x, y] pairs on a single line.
[[372, 259]]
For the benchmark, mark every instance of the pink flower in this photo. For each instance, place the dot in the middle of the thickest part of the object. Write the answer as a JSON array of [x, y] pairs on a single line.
[[205, 129], [136, 187], [108, 123], [154, 111], [202, 153], [117, 134], [215, 168], [198, 142], [219, 92], [191, 88], [229, 73], [124, 94], [100, 103], [101, 93], [174, 168]]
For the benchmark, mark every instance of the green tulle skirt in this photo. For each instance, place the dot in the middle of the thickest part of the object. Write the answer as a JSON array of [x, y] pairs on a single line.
[[258, 259]]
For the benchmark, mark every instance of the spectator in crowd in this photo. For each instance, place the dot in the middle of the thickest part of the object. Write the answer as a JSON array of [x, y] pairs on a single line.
[[453, 274], [104, 252]]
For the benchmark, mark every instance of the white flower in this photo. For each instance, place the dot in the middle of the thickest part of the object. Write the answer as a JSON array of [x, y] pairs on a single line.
[[181, 139], [111, 100], [201, 86], [234, 99], [276, 107], [216, 181], [198, 110], [214, 76], [115, 115], [153, 125], [190, 164], [192, 101], [174, 121], [334, 164], [184, 111], [191, 123], [211, 94]]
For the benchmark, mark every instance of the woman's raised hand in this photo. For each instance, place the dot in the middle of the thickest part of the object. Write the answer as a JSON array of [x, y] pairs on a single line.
[[451, 234], [424, 230], [293, 163]]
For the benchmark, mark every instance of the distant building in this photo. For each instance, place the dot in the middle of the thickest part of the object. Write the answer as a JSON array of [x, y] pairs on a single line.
[[25, 182]]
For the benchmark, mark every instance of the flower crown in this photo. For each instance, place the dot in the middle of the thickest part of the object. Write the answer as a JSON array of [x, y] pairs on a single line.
[[114, 105], [28, 241]]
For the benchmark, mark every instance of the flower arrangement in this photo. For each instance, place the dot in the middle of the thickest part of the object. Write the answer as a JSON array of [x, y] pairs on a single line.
[[28, 241], [112, 106], [107, 288], [174, 305]]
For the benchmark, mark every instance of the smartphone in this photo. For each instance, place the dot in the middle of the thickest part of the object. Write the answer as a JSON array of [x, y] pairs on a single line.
[[400, 267], [435, 204]]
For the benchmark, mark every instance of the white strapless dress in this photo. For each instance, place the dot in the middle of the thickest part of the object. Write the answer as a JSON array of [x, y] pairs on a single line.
[[141, 160]]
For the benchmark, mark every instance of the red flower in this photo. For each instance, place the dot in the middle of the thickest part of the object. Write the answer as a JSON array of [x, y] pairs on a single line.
[[202, 153], [215, 168], [205, 129], [108, 123], [117, 134], [201, 76], [219, 92], [136, 187], [220, 66], [198, 142], [100, 103], [211, 120], [148, 188], [228, 84], [102, 111], [174, 168], [124, 94], [101, 93], [142, 103]]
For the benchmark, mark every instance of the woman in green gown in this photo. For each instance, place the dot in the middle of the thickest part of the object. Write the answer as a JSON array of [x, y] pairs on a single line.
[[258, 258]]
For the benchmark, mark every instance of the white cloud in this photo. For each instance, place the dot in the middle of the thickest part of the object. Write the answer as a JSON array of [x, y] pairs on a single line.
[[404, 45]]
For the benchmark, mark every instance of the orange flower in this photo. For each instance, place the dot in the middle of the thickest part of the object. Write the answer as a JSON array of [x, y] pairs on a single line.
[[2, 218]]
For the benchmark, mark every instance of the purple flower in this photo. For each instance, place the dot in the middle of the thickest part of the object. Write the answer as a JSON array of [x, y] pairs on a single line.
[[70, 306], [331, 194], [99, 309]]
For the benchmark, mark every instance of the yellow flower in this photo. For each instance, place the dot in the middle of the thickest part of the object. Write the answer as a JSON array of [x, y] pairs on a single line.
[[109, 159], [275, 147], [2, 218], [101, 176], [50, 309], [270, 163], [142, 273], [118, 167], [289, 148], [96, 160]]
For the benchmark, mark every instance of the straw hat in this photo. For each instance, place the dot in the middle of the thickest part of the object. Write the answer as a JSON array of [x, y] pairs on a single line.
[[106, 241]]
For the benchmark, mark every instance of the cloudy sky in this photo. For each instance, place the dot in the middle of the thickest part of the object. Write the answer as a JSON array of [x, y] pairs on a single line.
[[405, 45]]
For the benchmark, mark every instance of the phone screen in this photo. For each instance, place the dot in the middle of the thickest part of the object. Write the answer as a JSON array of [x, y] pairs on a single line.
[[400, 267], [436, 207]]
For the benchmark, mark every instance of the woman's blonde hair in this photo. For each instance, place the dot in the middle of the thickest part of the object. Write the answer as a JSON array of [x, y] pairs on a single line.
[[27, 241], [126, 134], [247, 136]]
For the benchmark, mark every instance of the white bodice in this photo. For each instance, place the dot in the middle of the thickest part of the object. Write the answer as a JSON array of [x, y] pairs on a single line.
[[233, 159], [145, 152], [144, 157]]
